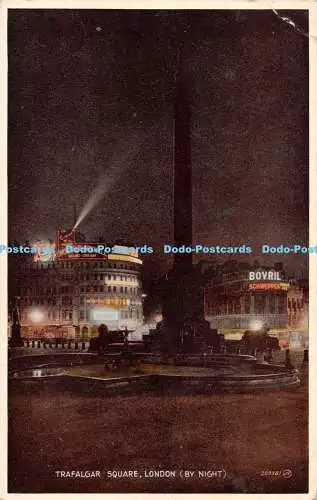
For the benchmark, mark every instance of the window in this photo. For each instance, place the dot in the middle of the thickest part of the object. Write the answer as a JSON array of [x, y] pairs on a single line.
[[247, 303], [280, 303], [259, 303], [67, 301]]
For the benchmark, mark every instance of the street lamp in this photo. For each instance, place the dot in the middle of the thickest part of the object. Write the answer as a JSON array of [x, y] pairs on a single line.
[[256, 325], [36, 316]]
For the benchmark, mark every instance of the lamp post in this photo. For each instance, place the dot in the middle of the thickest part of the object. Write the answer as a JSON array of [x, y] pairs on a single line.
[[16, 340]]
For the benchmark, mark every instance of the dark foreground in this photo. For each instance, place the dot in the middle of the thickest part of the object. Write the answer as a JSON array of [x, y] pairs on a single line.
[[259, 440]]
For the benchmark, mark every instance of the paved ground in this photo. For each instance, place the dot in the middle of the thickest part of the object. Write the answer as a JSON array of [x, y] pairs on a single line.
[[248, 436]]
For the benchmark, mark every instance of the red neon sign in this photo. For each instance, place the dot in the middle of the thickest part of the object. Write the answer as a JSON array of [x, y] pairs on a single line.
[[268, 286]]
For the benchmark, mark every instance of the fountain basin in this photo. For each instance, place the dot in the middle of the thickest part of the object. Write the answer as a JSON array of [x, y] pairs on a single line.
[[214, 373]]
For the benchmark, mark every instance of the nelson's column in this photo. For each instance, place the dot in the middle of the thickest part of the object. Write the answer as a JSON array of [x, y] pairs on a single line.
[[183, 328]]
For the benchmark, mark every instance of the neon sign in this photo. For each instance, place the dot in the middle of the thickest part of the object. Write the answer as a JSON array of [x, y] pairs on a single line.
[[268, 286], [45, 251], [115, 302]]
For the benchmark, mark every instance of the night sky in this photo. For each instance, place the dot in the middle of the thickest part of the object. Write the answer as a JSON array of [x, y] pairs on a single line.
[[91, 96]]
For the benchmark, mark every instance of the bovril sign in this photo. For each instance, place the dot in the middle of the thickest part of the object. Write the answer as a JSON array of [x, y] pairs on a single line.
[[264, 276]]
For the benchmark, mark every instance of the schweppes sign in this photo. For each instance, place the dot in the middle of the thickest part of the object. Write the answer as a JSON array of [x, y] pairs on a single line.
[[268, 286]]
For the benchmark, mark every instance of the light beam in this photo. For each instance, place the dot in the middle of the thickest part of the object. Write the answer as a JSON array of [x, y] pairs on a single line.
[[120, 158]]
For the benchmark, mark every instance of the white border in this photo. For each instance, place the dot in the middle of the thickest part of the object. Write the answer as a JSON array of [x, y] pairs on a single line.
[[181, 5]]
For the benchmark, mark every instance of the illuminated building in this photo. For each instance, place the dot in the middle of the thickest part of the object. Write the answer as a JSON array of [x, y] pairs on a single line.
[[295, 305], [69, 295], [297, 310], [240, 297]]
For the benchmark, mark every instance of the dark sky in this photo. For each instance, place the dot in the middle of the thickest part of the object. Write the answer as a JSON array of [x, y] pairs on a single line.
[[91, 91]]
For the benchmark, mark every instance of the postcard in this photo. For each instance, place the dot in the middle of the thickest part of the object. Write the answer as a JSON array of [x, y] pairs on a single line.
[[158, 249]]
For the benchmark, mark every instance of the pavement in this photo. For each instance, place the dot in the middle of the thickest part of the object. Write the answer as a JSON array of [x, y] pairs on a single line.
[[248, 443]]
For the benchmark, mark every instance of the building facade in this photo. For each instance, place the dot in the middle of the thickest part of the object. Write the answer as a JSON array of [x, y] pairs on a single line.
[[295, 305], [297, 310], [239, 297], [70, 295]]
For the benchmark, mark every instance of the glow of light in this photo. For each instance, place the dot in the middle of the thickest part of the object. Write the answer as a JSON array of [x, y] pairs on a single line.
[[256, 325], [124, 250], [126, 258], [36, 316], [268, 286], [104, 314], [110, 301], [121, 283], [45, 251], [127, 149]]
